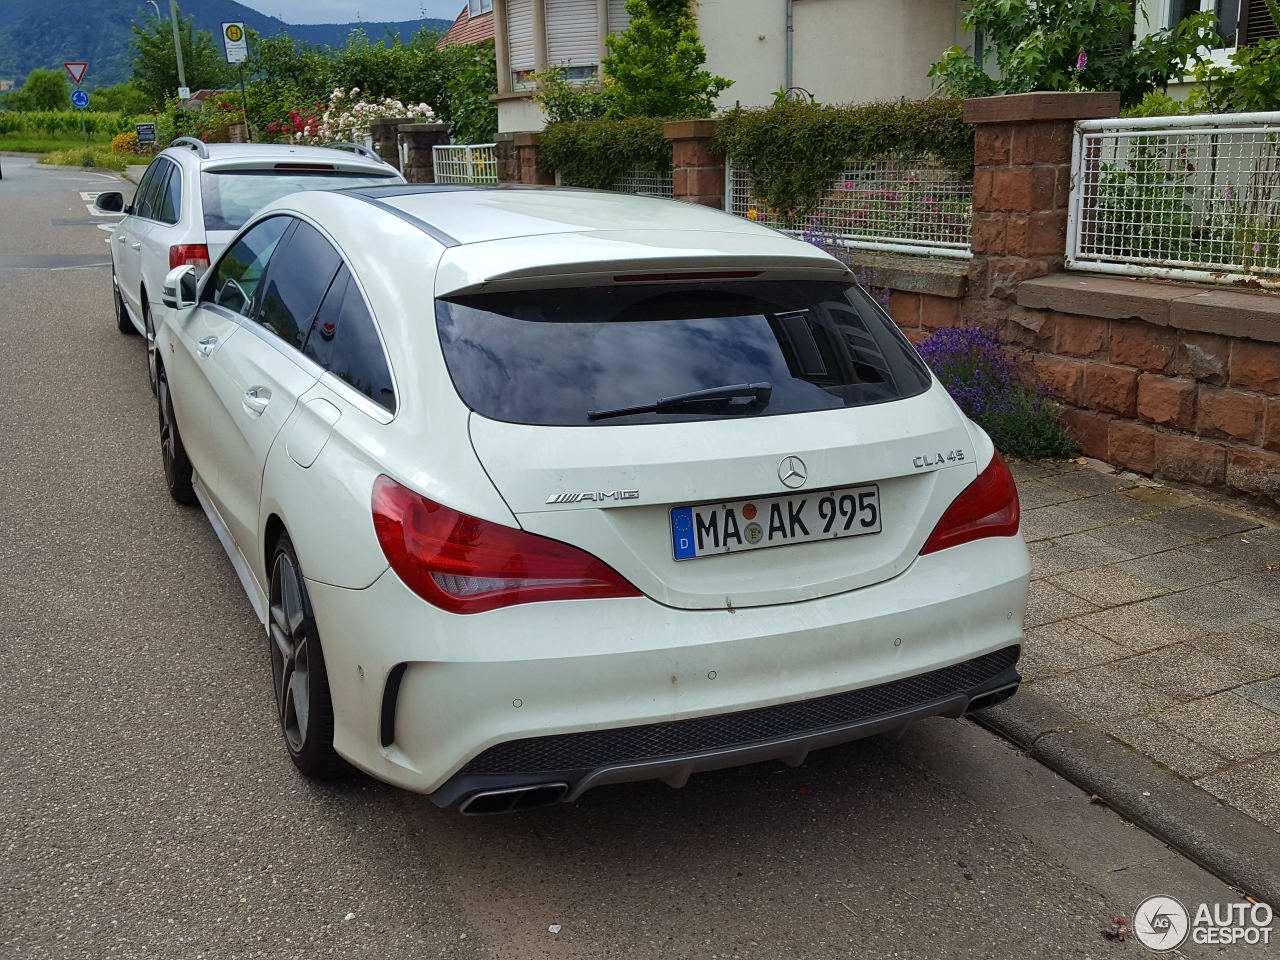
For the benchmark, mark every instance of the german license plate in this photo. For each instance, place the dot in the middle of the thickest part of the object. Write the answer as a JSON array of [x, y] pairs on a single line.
[[716, 528]]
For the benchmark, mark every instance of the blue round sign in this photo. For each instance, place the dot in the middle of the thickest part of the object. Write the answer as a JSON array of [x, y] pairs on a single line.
[[80, 99]]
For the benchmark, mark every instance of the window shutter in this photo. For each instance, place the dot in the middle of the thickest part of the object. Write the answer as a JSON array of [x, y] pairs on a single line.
[[619, 19], [520, 50], [1256, 24], [573, 33]]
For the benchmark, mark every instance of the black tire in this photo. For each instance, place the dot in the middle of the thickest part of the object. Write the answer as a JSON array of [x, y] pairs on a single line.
[[153, 361], [123, 323], [177, 466], [298, 674]]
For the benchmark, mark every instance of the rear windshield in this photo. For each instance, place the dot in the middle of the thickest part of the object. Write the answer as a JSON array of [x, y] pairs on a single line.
[[552, 356], [230, 197]]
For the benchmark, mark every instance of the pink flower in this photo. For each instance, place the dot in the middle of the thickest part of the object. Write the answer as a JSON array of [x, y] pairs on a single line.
[[1081, 61], [1257, 247]]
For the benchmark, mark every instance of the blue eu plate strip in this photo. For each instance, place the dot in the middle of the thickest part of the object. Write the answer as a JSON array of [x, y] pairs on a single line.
[[682, 533]]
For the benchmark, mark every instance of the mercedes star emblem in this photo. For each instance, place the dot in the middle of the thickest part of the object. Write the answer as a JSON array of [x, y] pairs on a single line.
[[792, 472]]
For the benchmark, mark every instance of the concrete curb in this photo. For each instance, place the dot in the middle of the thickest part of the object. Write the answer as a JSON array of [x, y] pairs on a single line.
[[1230, 845]]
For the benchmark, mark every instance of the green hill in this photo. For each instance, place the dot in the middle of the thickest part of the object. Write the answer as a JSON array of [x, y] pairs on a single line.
[[47, 33]]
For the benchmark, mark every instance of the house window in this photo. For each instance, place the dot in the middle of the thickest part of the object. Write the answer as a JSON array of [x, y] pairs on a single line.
[[573, 37], [1239, 21], [520, 47], [477, 7], [619, 19]]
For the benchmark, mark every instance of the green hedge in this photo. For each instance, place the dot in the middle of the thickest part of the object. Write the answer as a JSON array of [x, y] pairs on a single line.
[[794, 151], [597, 153]]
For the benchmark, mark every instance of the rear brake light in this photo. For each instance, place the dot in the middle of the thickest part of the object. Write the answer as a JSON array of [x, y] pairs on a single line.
[[196, 254], [988, 507], [466, 565], [715, 275], [304, 166]]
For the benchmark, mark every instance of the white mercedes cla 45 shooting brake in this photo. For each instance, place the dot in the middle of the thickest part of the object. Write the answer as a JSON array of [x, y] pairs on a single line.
[[536, 490]]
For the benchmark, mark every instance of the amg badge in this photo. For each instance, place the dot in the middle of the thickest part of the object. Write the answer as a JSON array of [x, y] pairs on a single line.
[[594, 495]]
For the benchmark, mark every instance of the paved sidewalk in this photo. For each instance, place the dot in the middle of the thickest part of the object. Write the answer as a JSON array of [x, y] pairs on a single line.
[[1154, 615]]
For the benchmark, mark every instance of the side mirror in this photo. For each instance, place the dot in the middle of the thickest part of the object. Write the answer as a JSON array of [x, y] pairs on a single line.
[[112, 202], [179, 291]]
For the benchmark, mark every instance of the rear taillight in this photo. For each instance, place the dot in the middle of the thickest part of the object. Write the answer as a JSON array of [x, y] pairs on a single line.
[[988, 507], [466, 565], [196, 254]]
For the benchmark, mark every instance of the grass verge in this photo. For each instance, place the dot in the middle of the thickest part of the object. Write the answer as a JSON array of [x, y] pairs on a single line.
[[93, 157]]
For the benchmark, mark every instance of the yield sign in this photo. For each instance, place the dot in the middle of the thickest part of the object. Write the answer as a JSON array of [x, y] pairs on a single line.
[[76, 70]]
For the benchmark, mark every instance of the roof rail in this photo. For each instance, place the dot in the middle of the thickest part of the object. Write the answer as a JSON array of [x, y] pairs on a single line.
[[197, 145], [359, 148]]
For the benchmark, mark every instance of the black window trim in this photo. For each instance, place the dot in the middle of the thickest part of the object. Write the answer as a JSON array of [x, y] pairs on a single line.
[[349, 393], [182, 184]]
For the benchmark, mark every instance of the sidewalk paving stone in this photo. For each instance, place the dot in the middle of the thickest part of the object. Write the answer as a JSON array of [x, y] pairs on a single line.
[[1178, 569], [1047, 603], [1227, 724], [1138, 626], [1187, 672], [1153, 616], [1063, 647], [1075, 551], [1254, 648], [1165, 745], [1106, 691], [1107, 586], [1253, 787]]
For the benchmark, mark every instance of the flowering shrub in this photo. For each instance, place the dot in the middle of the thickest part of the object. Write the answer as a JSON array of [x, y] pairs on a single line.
[[1001, 394], [345, 118], [125, 142]]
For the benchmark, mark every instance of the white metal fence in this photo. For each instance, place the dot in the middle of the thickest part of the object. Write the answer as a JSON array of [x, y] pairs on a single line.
[[1195, 197], [647, 183], [902, 206], [465, 163]]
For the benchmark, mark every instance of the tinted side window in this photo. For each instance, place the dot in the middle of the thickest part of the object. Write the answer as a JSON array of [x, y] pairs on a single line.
[[147, 188], [239, 272], [168, 203], [344, 340], [300, 273]]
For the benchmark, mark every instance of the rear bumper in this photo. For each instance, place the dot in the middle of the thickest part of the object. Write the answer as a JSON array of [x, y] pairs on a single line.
[[519, 774], [427, 700]]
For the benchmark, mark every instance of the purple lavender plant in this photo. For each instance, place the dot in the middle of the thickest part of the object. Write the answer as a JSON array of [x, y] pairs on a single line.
[[998, 392]]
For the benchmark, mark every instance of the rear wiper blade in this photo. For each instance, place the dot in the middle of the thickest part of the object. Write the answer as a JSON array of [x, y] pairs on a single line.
[[758, 392]]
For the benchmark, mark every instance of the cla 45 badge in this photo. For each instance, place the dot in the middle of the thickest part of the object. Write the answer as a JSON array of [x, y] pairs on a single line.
[[937, 459]]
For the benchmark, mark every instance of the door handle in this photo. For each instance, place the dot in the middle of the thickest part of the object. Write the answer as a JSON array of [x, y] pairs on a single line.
[[206, 345], [136, 246], [256, 400]]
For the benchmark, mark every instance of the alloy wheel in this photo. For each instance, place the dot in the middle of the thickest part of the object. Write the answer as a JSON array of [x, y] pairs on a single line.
[[151, 347], [290, 651], [168, 429]]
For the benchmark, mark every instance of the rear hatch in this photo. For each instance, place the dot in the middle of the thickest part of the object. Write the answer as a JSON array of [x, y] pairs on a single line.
[[826, 474]]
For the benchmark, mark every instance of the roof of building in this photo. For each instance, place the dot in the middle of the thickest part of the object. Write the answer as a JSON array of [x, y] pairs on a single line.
[[467, 30]]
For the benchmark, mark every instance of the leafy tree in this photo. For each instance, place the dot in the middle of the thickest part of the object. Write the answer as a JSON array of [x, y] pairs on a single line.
[[120, 98], [155, 68], [473, 117], [655, 68], [43, 90], [1071, 45]]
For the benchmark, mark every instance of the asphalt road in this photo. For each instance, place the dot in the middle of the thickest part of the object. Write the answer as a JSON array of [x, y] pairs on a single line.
[[148, 809]]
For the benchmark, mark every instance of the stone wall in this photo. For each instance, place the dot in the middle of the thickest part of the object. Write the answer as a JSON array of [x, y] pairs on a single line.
[[1179, 381]]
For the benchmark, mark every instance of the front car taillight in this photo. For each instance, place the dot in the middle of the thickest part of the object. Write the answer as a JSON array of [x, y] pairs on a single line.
[[196, 254], [988, 507], [467, 565]]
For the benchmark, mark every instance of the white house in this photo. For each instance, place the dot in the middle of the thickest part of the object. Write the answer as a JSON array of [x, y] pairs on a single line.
[[841, 51]]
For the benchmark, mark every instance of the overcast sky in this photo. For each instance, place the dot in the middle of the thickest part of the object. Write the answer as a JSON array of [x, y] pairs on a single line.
[[348, 11]]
